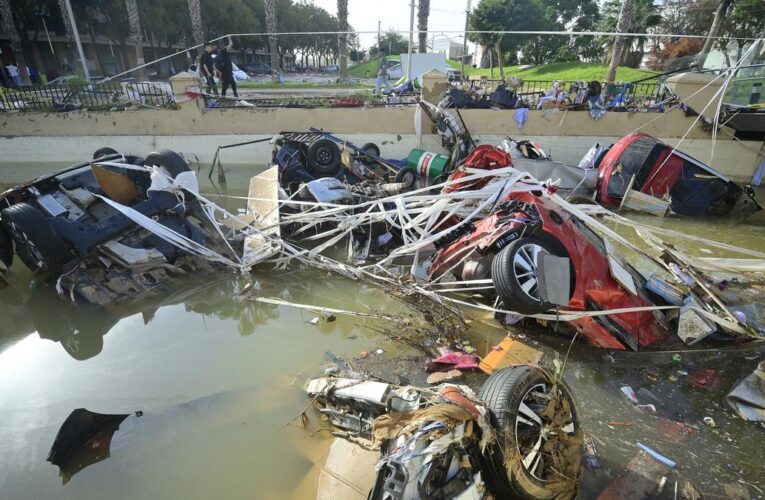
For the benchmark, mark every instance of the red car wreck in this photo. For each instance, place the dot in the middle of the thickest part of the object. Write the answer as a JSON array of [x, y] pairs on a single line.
[[642, 163], [506, 246]]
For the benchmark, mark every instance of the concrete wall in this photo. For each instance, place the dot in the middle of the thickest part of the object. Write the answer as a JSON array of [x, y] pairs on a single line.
[[68, 137]]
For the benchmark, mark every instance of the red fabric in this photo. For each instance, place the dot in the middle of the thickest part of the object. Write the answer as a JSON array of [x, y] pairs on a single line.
[[454, 360]]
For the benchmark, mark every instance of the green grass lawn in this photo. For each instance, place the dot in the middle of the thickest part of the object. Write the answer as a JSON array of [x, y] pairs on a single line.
[[360, 70], [570, 71]]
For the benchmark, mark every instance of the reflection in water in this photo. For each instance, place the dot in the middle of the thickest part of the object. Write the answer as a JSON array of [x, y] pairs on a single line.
[[83, 439], [80, 328]]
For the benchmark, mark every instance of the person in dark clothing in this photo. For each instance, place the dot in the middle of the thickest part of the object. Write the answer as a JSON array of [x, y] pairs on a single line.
[[223, 62], [207, 68]]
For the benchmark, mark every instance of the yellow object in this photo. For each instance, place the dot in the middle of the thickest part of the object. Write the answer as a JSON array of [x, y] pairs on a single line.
[[509, 352], [116, 185]]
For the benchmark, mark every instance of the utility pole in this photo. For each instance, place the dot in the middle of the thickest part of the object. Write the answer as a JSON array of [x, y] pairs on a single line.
[[378, 39], [464, 41], [77, 40], [411, 42]]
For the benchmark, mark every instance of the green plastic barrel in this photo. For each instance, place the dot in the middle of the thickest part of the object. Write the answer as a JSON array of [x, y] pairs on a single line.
[[426, 164]]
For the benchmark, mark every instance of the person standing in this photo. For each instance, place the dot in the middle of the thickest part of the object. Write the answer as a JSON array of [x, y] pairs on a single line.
[[382, 73], [226, 68], [207, 68], [13, 72]]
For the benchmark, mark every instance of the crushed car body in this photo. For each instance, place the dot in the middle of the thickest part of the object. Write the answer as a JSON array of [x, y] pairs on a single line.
[[519, 435]]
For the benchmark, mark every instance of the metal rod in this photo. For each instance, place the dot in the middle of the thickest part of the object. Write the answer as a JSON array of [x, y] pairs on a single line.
[[411, 42], [77, 40], [464, 42]]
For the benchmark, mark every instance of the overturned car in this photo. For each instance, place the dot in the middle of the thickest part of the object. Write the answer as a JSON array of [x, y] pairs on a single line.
[[110, 229], [642, 163]]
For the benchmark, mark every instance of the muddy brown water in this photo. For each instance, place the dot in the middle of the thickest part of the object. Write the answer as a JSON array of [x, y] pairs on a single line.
[[219, 378]]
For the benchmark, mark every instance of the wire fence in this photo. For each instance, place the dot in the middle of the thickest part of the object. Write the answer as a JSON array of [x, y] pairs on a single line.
[[96, 96]]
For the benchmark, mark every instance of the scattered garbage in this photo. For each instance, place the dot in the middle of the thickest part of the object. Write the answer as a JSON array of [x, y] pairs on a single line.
[[705, 378], [710, 421], [747, 398]]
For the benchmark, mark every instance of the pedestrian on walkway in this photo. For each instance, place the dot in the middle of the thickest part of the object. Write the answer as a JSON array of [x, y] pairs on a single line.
[[382, 73], [207, 68], [13, 72], [226, 68]]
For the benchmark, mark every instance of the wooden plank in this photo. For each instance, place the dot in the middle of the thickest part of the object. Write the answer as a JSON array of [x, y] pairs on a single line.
[[641, 202]]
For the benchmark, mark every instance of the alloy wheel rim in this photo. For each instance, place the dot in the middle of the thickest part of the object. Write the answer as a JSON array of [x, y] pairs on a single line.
[[525, 265], [533, 429]]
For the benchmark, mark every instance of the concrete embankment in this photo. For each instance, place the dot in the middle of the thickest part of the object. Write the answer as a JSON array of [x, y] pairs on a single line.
[[68, 137]]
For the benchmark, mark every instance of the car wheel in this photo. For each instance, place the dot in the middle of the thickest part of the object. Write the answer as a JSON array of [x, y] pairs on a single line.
[[38, 247], [6, 248], [104, 152], [407, 176], [514, 273], [169, 161], [537, 445], [324, 158], [370, 148]]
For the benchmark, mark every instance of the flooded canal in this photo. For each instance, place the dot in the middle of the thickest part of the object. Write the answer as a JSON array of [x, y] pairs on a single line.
[[217, 379]]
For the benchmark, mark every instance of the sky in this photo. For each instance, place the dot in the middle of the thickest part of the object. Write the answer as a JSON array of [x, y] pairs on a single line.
[[445, 15]]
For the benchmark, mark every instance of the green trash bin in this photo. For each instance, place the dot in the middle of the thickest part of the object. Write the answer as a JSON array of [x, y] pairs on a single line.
[[427, 164]]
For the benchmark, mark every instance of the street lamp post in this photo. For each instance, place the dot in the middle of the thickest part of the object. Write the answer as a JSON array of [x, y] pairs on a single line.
[[464, 42], [77, 40]]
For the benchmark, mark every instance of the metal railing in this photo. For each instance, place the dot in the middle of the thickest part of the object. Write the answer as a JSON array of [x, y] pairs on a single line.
[[85, 96], [643, 94]]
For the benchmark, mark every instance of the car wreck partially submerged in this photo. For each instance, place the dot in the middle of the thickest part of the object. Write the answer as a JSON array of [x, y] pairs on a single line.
[[519, 436], [115, 228]]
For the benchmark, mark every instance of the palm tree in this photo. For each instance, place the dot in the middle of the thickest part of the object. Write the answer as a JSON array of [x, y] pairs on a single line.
[[272, 41], [15, 40], [626, 14], [134, 23], [714, 30], [342, 18], [423, 11], [195, 13]]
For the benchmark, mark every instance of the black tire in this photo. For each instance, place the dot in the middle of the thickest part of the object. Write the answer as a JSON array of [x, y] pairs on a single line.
[[323, 158], [170, 161], [407, 175], [104, 152], [580, 199], [517, 432], [509, 275], [37, 245], [371, 148], [6, 248]]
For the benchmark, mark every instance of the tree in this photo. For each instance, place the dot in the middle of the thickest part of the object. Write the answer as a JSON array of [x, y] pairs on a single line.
[[504, 15], [342, 18], [272, 40], [392, 43], [12, 32], [136, 35], [626, 14], [423, 12], [714, 30], [645, 17], [195, 14]]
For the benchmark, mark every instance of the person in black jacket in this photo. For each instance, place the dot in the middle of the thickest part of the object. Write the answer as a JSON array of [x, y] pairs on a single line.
[[207, 68], [226, 68]]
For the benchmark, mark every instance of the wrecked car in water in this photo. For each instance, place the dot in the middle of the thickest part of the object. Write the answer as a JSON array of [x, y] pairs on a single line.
[[508, 246], [85, 227], [519, 436], [641, 163]]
